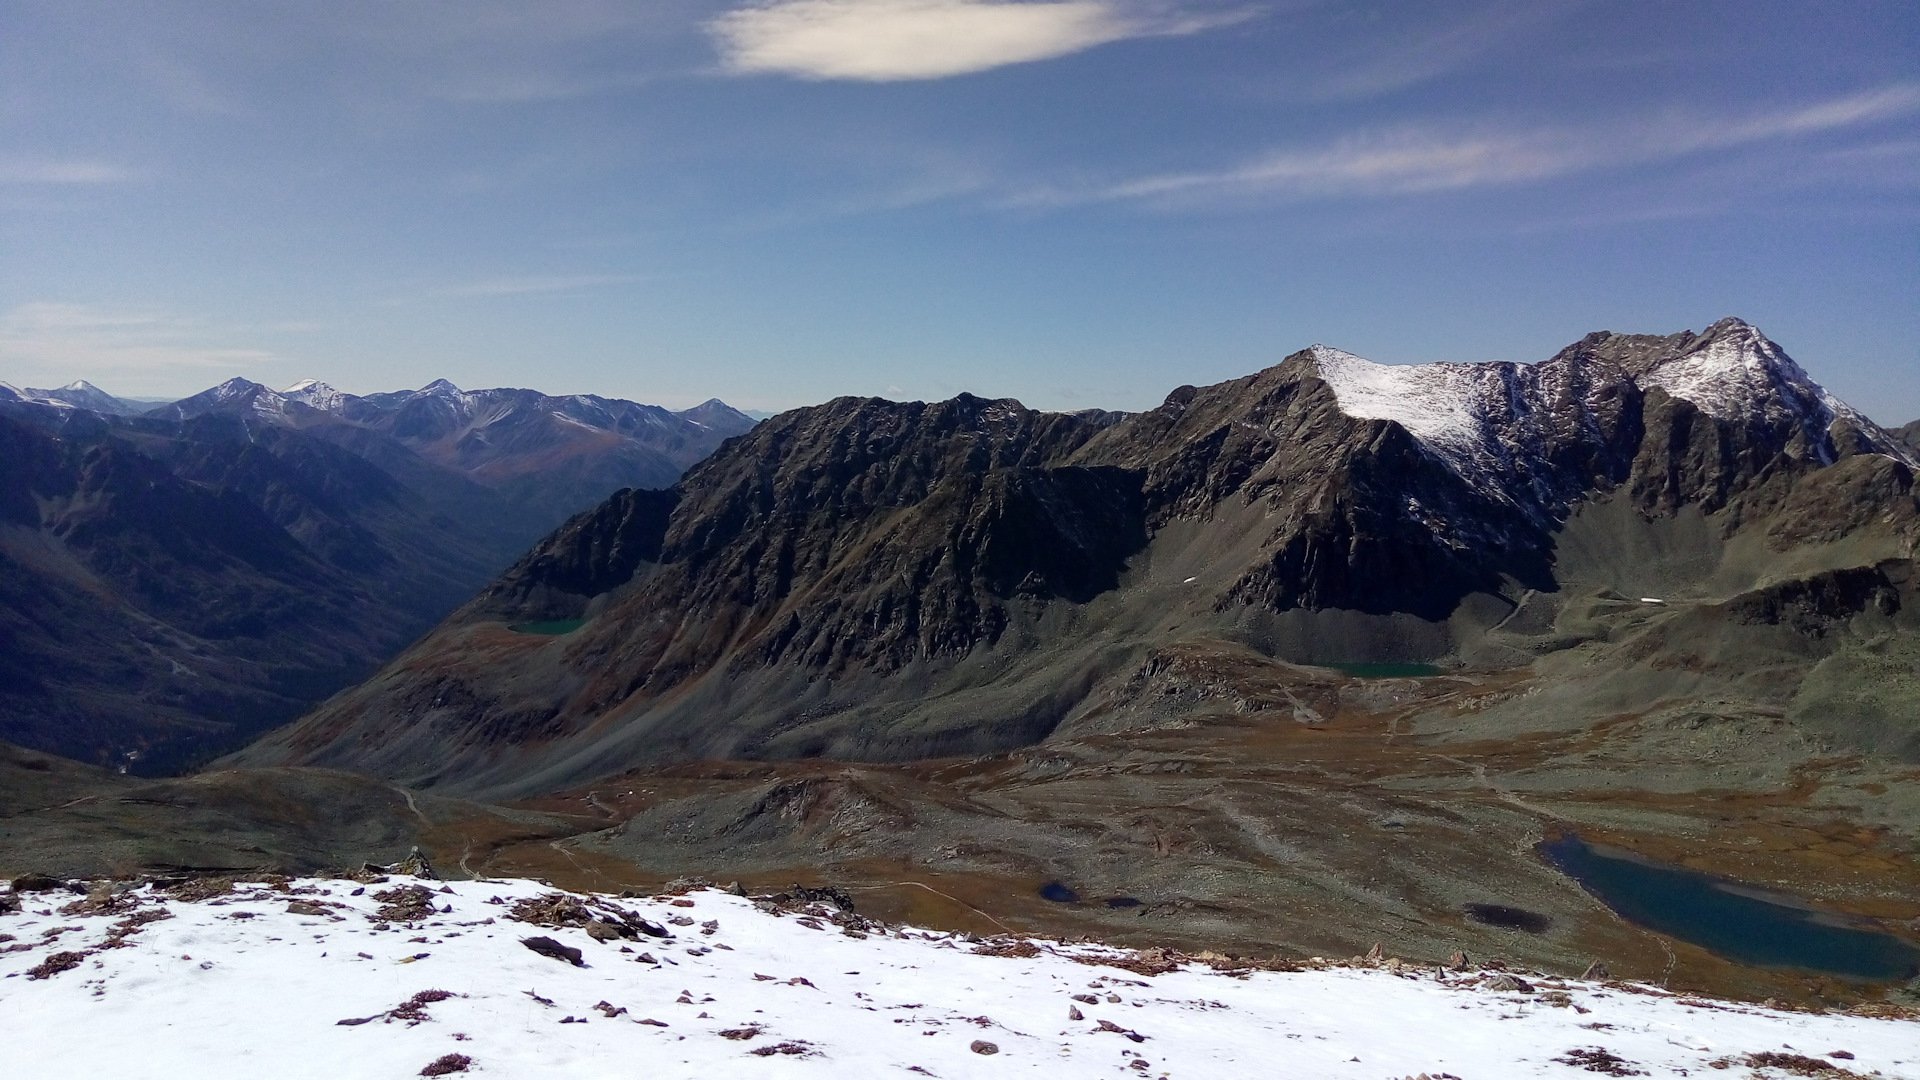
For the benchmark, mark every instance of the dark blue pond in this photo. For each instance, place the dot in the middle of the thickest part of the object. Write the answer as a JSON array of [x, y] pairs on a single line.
[[1718, 916], [1059, 893]]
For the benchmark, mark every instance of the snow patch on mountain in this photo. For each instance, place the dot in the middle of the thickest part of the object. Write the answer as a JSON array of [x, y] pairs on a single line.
[[1442, 405], [329, 978]]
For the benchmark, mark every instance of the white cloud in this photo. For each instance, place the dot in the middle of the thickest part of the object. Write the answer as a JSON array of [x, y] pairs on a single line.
[[1412, 160], [51, 343], [892, 40]]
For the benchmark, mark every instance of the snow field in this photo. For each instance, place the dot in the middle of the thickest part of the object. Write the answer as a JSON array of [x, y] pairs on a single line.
[[239, 986]]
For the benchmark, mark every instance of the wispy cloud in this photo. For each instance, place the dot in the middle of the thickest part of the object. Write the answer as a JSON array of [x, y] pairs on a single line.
[[528, 286], [894, 40], [1381, 64], [63, 171], [48, 339], [1409, 160]]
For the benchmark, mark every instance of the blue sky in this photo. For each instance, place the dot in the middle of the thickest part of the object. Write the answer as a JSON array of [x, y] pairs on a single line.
[[1076, 202]]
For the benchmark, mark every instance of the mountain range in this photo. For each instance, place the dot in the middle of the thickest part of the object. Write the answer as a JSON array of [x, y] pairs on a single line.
[[881, 581], [179, 577]]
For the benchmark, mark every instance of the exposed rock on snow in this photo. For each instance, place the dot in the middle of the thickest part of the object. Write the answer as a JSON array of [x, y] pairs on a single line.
[[165, 987]]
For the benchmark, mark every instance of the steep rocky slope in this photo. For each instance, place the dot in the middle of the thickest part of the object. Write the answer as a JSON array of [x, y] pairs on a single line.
[[885, 581]]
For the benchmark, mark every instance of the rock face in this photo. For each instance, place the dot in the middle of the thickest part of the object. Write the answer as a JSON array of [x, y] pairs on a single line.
[[877, 580], [172, 584], [1910, 435]]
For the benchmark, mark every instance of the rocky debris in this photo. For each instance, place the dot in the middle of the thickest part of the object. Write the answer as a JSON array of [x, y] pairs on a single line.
[[546, 946], [1159, 961], [196, 889], [797, 897], [406, 904], [29, 883], [414, 1010], [790, 1048], [601, 918], [1794, 1064], [103, 899], [133, 924], [1018, 948], [55, 964], [447, 1064], [1127, 1033], [1886, 1010], [1600, 1060], [415, 865], [1505, 983]]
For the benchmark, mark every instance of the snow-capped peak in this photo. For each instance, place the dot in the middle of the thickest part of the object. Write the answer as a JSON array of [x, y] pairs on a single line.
[[439, 386], [82, 385], [315, 394], [235, 387], [1733, 372], [1737, 376]]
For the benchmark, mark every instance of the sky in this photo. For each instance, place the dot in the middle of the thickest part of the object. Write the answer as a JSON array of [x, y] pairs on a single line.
[[1078, 203]]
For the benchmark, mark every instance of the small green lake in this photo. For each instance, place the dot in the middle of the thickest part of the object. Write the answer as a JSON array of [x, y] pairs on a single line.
[[1739, 923], [548, 627], [1385, 671]]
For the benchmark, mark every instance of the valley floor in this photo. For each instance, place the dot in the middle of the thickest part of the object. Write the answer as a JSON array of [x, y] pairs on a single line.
[[401, 977]]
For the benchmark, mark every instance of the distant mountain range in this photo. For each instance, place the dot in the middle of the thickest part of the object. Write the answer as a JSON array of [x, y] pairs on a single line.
[[176, 578], [880, 581], [79, 394]]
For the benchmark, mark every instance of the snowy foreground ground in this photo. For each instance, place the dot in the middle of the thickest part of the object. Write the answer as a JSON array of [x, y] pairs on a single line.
[[237, 985]]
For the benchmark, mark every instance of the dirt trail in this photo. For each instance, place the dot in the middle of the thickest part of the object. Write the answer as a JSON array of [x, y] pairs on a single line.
[[934, 891]]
